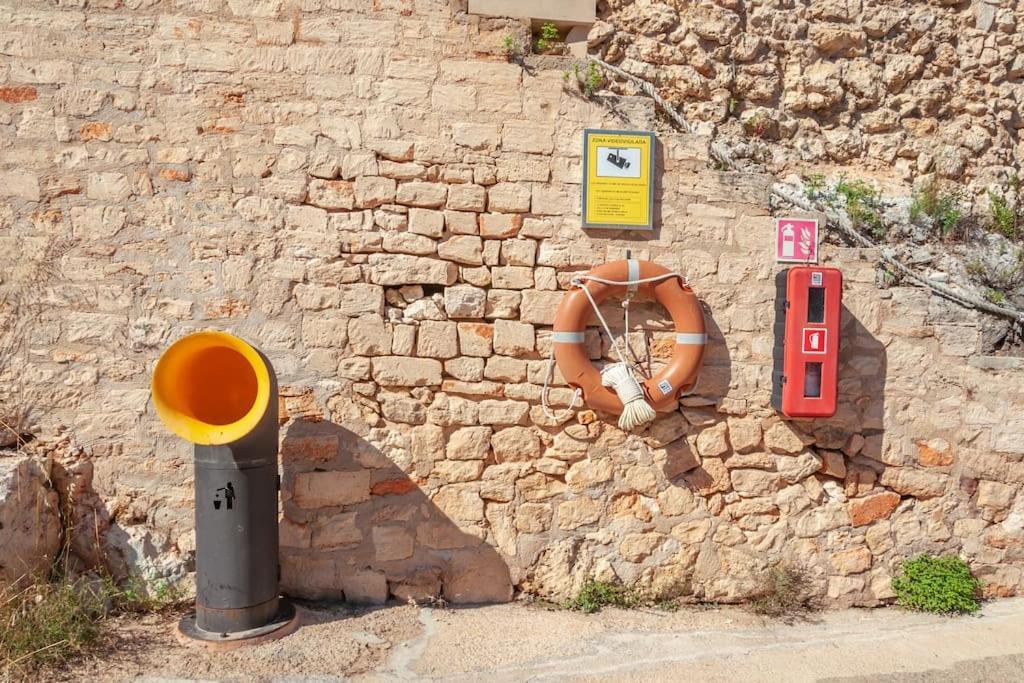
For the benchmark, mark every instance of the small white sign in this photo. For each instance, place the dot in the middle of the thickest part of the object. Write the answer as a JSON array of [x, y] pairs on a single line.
[[665, 386]]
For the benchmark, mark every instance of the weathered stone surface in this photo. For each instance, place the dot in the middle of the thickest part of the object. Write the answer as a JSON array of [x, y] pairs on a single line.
[[397, 269], [329, 489], [408, 372], [469, 443], [515, 444], [867, 510], [29, 517]]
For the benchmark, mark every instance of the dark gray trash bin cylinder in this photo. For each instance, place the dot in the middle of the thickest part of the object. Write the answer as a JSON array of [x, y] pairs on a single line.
[[221, 393]]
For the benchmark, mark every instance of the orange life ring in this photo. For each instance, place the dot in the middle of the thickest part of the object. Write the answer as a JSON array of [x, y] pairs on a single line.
[[673, 293]]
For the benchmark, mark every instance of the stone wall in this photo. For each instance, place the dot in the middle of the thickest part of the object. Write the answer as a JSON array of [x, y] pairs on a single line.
[[901, 89], [389, 211]]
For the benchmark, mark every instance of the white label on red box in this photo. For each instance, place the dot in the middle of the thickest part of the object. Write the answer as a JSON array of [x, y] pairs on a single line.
[[815, 339], [796, 240]]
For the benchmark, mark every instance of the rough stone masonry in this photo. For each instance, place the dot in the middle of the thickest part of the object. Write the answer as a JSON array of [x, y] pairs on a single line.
[[369, 193]]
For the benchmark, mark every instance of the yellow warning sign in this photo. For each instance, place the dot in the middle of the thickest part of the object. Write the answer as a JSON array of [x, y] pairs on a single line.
[[618, 179]]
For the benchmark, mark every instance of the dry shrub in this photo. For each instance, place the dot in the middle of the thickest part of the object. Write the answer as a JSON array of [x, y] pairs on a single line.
[[785, 592]]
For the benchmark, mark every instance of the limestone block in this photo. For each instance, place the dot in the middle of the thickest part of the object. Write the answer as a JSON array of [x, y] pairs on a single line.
[[103, 187], [476, 576], [534, 518], [329, 489], [781, 437], [469, 443], [749, 483], [331, 194], [475, 339], [437, 339], [502, 303], [364, 586], [505, 369], [465, 301], [638, 546], [371, 192], [409, 372], [577, 512], [513, 338], [526, 136], [519, 253], [712, 441], [400, 269], [426, 222], [514, 444], [464, 249], [494, 412], [851, 561], [460, 502], [391, 543], [408, 243], [512, 277], [744, 434], [477, 136], [539, 307], [508, 198], [916, 483], [551, 201], [994, 495], [692, 532], [29, 518], [467, 197], [369, 335], [871, 508], [500, 225], [461, 222], [336, 531], [833, 464], [675, 501], [97, 222], [795, 469], [421, 194], [324, 331]]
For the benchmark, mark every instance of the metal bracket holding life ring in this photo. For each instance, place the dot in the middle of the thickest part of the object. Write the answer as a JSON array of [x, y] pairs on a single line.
[[628, 277]]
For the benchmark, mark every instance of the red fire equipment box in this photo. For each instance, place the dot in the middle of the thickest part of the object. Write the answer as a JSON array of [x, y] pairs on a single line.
[[806, 356]]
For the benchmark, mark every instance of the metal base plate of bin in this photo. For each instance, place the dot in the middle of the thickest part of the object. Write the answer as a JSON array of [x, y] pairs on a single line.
[[285, 623]]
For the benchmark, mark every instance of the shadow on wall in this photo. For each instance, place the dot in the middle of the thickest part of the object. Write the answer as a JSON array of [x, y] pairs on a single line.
[[857, 429], [357, 527]]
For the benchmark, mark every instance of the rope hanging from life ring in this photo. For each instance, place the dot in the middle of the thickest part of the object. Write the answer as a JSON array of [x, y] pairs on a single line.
[[617, 388]]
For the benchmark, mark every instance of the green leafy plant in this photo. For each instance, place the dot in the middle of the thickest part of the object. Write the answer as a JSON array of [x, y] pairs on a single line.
[[592, 80], [863, 204], [814, 185], [547, 38], [513, 48], [994, 296], [942, 207], [943, 585], [1004, 218], [594, 595], [785, 591]]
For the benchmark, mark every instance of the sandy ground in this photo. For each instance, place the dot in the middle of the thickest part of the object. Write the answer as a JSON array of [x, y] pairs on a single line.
[[520, 642]]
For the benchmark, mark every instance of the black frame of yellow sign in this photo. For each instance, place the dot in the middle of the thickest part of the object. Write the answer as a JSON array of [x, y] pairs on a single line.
[[622, 198]]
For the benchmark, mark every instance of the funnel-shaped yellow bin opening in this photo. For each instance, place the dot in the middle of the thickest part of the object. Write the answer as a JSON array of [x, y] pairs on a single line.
[[211, 388]]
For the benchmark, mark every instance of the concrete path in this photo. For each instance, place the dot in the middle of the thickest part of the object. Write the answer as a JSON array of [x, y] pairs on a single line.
[[516, 643]]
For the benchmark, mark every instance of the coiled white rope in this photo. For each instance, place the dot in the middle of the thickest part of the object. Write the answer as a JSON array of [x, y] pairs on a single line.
[[620, 377]]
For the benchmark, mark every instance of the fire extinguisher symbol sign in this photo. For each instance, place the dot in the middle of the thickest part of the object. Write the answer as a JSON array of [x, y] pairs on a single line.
[[796, 240], [815, 340]]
